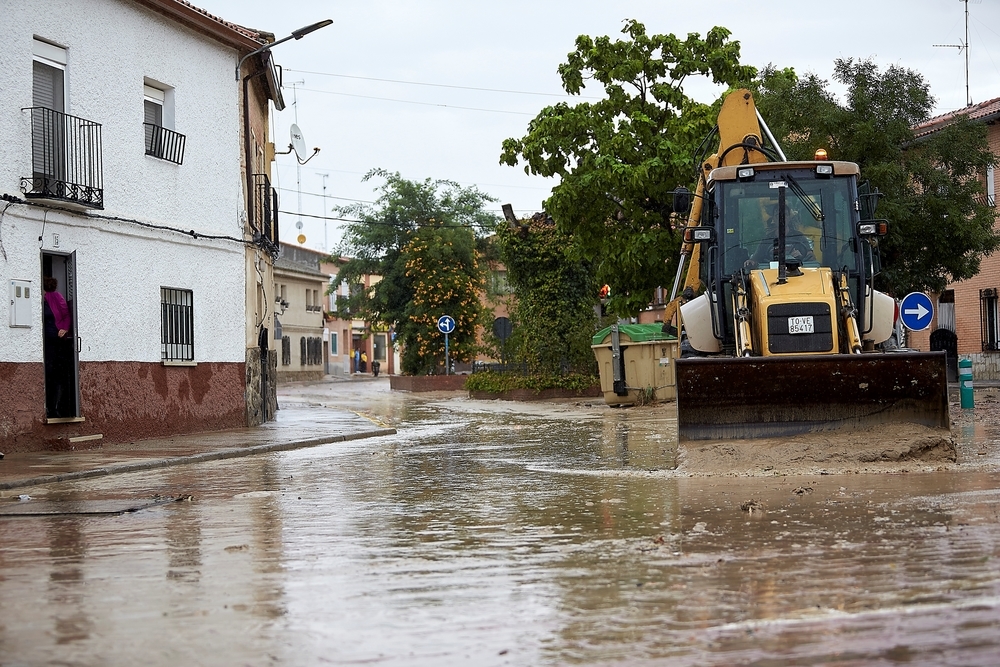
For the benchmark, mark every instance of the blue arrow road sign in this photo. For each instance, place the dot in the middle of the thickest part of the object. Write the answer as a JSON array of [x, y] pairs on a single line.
[[916, 311], [446, 324]]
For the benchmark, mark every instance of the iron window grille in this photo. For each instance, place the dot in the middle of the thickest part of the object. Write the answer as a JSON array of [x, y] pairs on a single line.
[[176, 324], [988, 319], [164, 144], [66, 159], [264, 214], [286, 351]]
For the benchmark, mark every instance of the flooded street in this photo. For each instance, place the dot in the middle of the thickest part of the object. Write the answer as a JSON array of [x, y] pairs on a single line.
[[492, 533]]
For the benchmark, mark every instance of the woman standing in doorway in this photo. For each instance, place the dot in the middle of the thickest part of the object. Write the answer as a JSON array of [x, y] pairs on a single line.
[[57, 323]]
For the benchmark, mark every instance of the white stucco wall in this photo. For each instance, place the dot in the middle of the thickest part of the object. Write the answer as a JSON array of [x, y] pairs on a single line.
[[120, 270], [111, 46]]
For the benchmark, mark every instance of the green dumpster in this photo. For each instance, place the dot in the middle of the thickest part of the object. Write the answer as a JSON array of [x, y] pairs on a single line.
[[645, 363]]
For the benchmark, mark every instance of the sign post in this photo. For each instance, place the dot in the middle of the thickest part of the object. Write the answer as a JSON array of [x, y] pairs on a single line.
[[446, 324]]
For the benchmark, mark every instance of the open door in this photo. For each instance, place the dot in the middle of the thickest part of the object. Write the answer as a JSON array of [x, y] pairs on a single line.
[[60, 353]]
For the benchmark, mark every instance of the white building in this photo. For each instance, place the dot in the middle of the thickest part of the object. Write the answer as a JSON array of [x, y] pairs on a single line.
[[121, 177]]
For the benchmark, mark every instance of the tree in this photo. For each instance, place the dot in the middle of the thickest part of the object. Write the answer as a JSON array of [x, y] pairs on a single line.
[[618, 159], [940, 227], [554, 297], [416, 235], [442, 267]]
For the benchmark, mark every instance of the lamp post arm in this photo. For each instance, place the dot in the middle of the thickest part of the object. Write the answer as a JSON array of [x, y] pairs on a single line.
[[296, 34], [266, 47]]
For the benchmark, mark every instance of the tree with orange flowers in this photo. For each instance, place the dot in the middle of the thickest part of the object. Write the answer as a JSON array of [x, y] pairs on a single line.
[[422, 238]]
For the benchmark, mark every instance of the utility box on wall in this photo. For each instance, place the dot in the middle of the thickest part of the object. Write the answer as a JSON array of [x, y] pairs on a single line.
[[20, 303]]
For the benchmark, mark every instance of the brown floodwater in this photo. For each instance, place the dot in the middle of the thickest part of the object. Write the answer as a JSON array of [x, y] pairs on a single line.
[[508, 534]]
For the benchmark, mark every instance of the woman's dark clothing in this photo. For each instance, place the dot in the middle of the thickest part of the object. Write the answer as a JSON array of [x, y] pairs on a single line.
[[58, 367]]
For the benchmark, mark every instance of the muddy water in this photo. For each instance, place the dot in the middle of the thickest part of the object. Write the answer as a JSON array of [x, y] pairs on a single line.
[[494, 534]]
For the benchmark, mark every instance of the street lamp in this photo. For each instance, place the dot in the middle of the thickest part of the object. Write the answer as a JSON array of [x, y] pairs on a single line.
[[248, 156], [262, 338], [296, 34]]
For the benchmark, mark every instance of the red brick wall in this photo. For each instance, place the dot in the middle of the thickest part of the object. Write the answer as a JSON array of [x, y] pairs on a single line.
[[967, 316]]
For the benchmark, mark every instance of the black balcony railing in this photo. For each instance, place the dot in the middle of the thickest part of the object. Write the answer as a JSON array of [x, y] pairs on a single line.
[[66, 162], [164, 144], [264, 214]]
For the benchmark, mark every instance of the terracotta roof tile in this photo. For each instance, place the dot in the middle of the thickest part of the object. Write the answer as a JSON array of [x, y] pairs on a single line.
[[979, 111], [252, 34]]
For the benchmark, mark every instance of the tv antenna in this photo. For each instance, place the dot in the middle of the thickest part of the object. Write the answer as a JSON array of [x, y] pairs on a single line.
[[963, 46]]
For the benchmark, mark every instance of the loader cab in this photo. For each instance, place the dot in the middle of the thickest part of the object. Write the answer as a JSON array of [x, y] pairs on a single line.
[[821, 214]]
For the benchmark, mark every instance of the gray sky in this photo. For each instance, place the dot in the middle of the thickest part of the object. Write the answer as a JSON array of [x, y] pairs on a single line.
[[446, 131]]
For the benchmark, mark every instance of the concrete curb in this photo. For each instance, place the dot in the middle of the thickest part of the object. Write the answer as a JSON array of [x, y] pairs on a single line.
[[216, 455]]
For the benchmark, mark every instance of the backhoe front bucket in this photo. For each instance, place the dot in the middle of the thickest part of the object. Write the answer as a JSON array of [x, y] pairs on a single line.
[[763, 397]]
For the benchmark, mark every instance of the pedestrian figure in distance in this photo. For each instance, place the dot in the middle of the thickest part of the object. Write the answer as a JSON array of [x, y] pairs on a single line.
[[357, 360], [364, 362], [375, 367]]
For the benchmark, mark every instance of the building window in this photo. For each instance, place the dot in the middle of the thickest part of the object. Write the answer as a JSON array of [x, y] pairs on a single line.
[[497, 284], [303, 357], [176, 324], [946, 310], [286, 351], [49, 76], [378, 347], [988, 319], [991, 187], [333, 345], [161, 140]]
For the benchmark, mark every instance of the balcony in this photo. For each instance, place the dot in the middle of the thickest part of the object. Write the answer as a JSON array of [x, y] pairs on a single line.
[[164, 144], [264, 212], [66, 159]]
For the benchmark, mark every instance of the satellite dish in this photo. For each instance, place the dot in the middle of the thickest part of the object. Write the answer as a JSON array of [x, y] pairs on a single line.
[[298, 143], [301, 239]]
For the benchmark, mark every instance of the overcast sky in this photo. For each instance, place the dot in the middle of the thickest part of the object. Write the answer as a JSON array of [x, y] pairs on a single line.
[[389, 84]]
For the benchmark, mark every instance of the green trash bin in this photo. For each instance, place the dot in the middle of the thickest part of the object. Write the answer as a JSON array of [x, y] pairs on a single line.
[[647, 362]]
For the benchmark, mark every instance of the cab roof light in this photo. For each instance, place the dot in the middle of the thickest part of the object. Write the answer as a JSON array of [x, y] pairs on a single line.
[[873, 228], [745, 173], [824, 170], [699, 234], [820, 154]]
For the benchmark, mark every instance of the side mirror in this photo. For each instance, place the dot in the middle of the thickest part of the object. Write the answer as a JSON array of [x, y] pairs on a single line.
[[682, 200]]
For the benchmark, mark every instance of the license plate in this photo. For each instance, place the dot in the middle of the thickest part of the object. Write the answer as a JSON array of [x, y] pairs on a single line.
[[801, 325]]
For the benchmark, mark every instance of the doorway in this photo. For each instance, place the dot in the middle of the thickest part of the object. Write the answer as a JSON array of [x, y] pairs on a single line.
[[60, 353]]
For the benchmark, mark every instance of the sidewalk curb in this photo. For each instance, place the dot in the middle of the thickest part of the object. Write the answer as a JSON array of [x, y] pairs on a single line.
[[218, 455]]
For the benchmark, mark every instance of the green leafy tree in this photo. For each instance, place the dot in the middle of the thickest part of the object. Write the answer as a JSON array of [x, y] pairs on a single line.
[[554, 297], [619, 158], [940, 228], [442, 268], [412, 230]]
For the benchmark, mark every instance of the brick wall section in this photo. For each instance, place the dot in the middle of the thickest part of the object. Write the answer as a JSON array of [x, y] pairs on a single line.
[[985, 365]]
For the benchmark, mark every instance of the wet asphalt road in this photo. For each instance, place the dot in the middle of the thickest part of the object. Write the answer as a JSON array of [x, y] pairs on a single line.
[[505, 534]]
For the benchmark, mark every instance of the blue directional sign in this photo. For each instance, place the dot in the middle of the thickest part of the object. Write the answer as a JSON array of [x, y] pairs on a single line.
[[446, 324], [916, 311]]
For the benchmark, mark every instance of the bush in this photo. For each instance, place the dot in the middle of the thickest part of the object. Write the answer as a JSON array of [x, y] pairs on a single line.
[[500, 382]]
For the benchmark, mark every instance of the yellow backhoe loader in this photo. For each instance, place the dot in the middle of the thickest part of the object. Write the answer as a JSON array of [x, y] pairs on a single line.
[[778, 307]]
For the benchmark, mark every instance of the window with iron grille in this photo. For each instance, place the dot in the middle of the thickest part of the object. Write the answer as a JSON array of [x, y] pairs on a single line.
[[286, 351], [176, 324], [303, 358], [988, 319], [315, 351], [161, 141]]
